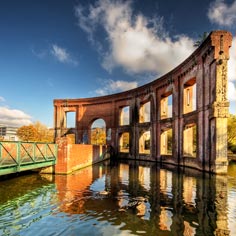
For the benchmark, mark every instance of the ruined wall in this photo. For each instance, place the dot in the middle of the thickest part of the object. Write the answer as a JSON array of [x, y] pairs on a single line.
[[196, 125], [72, 157]]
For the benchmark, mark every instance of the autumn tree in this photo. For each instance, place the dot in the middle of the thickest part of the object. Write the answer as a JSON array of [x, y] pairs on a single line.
[[98, 136], [232, 133], [44, 134], [36, 132], [27, 133]]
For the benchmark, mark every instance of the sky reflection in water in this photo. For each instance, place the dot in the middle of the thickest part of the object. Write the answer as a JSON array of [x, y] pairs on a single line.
[[133, 198]]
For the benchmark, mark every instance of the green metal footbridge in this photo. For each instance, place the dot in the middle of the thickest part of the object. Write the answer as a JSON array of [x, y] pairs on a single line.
[[21, 156]]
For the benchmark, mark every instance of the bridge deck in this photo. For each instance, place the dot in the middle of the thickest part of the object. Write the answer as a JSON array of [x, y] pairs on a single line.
[[22, 156]]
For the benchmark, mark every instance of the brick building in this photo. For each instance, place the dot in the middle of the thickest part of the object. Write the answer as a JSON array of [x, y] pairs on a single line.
[[180, 118]]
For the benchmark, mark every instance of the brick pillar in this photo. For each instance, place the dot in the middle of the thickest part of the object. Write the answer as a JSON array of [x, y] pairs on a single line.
[[220, 105]]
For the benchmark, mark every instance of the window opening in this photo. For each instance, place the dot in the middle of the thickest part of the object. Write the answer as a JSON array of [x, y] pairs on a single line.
[[124, 142], [98, 132], [70, 119], [190, 98], [124, 116], [145, 143], [144, 112], [166, 142], [166, 107], [190, 140]]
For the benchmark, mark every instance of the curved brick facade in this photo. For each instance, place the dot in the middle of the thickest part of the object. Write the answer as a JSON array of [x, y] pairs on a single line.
[[196, 124]]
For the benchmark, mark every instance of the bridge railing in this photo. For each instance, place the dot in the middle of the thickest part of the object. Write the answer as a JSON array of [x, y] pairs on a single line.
[[19, 156]]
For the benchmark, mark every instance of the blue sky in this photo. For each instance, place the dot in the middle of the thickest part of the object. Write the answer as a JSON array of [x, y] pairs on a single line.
[[85, 48]]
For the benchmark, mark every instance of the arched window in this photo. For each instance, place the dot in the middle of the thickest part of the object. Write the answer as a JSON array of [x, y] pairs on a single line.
[[144, 112], [98, 132]]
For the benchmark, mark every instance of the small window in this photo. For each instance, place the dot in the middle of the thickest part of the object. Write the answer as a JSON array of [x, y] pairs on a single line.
[[190, 99]]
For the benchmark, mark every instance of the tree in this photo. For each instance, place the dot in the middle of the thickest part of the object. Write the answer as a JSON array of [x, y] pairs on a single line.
[[232, 132], [35, 133], [27, 133], [201, 38], [98, 136], [44, 134]]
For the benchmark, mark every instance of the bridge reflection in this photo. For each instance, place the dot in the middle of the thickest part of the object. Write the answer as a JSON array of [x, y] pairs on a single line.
[[177, 203], [27, 184]]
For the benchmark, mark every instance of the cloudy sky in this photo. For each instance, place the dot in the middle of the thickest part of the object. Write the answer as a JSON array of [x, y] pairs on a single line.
[[85, 48]]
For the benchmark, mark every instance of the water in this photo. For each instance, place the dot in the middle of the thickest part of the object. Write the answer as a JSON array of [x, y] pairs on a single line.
[[133, 198]]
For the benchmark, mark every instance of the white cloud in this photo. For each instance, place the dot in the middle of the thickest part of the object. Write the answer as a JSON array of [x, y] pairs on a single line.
[[111, 86], [140, 44], [135, 42], [232, 72], [2, 99], [232, 62], [231, 91], [14, 117], [222, 14], [225, 15], [62, 55]]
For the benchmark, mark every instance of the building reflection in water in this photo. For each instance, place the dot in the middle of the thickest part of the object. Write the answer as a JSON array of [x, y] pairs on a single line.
[[166, 192], [169, 202], [144, 177], [72, 191], [232, 198]]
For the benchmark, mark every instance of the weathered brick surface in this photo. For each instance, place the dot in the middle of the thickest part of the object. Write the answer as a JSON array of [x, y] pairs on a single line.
[[207, 67], [72, 157]]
